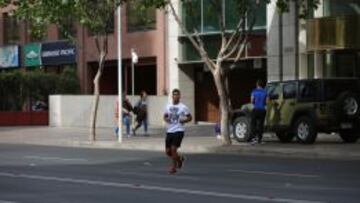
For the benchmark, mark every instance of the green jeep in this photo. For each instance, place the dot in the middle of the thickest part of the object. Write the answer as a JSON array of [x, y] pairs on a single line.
[[302, 108]]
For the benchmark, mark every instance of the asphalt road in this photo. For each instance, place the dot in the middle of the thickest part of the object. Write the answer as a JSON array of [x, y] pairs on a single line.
[[55, 174]]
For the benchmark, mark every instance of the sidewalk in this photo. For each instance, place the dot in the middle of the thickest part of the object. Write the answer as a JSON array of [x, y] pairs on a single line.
[[199, 139]]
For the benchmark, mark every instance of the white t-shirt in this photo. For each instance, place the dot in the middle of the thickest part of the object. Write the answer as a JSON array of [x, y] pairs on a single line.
[[176, 112]]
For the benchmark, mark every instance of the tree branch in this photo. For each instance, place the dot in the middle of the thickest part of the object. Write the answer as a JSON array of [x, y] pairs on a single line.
[[239, 40], [242, 21], [247, 31]]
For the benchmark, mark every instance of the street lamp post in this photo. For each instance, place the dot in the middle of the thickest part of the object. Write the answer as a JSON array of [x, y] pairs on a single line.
[[134, 60], [119, 76]]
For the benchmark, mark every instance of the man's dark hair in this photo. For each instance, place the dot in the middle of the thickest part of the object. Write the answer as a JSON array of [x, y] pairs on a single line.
[[176, 91], [260, 83]]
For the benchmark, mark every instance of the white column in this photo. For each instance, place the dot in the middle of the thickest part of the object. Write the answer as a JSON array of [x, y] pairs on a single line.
[[174, 48], [289, 41], [178, 77], [272, 42]]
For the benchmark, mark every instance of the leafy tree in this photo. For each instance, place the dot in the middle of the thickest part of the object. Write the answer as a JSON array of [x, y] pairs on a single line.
[[95, 15], [68, 82], [232, 42]]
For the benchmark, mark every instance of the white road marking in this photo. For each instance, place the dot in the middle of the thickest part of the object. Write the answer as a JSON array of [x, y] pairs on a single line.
[[4, 201], [155, 188], [277, 173], [158, 176], [54, 159]]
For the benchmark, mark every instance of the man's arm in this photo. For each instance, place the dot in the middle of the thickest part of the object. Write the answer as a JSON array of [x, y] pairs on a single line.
[[187, 119], [166, 118]]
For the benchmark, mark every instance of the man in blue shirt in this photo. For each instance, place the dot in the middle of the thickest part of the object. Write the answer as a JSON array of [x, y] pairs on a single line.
[[259, 100]]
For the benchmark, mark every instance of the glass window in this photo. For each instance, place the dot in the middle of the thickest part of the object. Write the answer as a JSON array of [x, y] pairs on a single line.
[[212, 46], [309, 90], [258, 15], [211, 13], [11, 29], [191, 14], [289, 90], [189, 52], [140, 18], [273, 91], [311, 66], [231, 14]]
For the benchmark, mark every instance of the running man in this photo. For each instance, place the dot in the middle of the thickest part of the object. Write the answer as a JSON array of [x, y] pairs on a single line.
[[176, 115]]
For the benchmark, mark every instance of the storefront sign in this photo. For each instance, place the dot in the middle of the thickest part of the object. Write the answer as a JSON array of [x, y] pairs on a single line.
[[9, 56], [32, 53], [57, 53]]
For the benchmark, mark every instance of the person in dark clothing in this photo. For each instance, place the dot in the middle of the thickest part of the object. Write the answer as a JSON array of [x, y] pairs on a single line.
[[140, 110], [259, 99], [126, 114]]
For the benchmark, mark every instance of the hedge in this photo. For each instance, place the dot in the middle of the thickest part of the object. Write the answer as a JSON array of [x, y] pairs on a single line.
[[18, 87]]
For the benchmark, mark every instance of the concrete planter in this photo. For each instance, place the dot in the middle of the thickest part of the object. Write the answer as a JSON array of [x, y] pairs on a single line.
[[75, 110]]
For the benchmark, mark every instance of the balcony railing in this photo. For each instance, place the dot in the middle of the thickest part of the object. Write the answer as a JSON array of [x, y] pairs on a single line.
[[331, 33]]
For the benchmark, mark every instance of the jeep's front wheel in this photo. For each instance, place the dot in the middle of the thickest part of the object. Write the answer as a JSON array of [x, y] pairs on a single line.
[[304, 130], [349, 136], [285, 137], [241, 129]]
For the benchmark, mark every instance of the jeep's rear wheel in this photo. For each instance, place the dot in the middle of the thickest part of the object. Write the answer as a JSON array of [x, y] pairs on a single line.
[[241, 129], [347, 105], [285, 136], [349, 136], [304, 130]]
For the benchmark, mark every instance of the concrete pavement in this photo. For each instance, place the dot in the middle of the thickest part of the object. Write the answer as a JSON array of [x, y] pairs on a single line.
[[199, 139]]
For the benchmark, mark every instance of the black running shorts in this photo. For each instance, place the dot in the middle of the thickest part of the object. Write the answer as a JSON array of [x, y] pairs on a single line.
[[174, 139]]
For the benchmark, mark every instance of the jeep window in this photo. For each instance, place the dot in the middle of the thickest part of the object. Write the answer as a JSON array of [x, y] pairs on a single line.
[[289, 90], [309, 91], [273, 91]]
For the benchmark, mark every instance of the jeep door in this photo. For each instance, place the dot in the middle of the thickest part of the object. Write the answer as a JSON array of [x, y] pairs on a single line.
[[288, 103], [272, 108]]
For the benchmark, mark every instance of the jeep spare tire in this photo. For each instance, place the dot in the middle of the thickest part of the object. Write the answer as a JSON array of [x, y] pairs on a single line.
[[241, 129], [347, 106]]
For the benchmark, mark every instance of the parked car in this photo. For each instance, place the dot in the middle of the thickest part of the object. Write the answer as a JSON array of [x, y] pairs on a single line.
[[303, 108]]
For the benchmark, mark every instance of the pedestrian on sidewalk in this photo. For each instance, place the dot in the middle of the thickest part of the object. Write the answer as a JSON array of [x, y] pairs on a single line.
[[176, 115], [259, 99], [140, 110], [217, 129], [126, 114]]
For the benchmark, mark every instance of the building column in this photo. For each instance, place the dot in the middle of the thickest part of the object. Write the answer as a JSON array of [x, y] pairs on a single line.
[[272, 42], [182, 78], [282, 43], [319, 65]]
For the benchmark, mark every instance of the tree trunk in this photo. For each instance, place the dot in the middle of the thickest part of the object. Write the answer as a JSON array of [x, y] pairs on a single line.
[[96, 99], [224, 105]]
